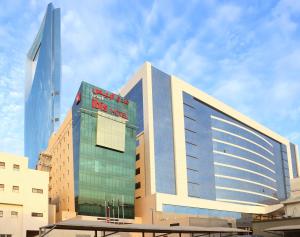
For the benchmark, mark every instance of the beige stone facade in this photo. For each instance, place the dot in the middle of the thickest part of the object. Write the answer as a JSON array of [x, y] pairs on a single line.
[[57, 159], [23, 197]]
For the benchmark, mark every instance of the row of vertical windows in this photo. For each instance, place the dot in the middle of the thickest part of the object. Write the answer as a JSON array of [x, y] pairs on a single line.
[[15, 166], [12, 213], [16, 189], [15, 214]]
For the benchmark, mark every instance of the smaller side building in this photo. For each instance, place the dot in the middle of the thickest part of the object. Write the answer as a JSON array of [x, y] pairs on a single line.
[[291, 215], [23, 197], [57, 159]]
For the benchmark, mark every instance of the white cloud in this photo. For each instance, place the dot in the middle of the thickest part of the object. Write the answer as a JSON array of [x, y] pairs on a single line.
[[236, 51]]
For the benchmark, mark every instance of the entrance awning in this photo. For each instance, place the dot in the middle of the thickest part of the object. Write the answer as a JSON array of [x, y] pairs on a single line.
[[95, 226], [286, 228]]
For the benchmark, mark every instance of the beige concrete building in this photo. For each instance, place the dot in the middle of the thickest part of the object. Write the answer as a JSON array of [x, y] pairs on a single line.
[[23, 197], [58, 161], [290, 216], [295, 187]]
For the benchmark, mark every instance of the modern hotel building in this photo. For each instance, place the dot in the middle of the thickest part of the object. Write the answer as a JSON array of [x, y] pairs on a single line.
[[198, 156], [42, 87], [91, 158]]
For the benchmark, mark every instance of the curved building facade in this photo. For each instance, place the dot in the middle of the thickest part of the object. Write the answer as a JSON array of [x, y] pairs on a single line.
[[42, 87], [248, 167], [202, 157]]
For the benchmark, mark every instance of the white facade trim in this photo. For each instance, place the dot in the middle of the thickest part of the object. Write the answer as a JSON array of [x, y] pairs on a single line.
[[244, 159], [245, 191], [243, 148], [241, 137], [243, 169], [239, 126], [244, 180]]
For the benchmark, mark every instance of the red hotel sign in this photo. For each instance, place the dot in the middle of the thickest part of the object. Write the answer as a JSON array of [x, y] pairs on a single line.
[[109, 95], [104, 107]]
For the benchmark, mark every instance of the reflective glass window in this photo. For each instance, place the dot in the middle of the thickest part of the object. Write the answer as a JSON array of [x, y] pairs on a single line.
[[200, 211], [163, 133]]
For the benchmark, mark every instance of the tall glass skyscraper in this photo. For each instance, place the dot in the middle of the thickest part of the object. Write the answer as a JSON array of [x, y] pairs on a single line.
[[42, 87]]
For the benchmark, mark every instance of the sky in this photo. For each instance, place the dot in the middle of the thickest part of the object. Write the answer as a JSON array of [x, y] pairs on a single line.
[[245, 53]]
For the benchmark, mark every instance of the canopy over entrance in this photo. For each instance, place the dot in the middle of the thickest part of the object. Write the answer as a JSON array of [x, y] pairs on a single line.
[[109, 228]]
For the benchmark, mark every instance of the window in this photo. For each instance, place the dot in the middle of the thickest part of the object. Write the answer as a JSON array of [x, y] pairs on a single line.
[[16, 167], [1, 187], [1, 213], [137, 185], [137, 157], [15, 189], [36, 214], [14, 213], [137, 171], [37, 190], [2, 165]]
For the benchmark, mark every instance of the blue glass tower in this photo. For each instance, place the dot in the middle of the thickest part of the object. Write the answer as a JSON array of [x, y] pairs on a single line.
[[42, 87]]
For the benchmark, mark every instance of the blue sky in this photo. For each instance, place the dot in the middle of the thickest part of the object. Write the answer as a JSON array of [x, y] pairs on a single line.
[[245, 53]]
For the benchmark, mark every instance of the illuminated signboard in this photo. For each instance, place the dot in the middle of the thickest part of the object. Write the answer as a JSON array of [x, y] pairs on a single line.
[[78, 98], [98, 102]]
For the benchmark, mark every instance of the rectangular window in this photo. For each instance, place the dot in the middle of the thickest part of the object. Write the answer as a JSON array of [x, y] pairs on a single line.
[[137, 171], [15, 189], [1, 213], [137, 157], [36, 214], [16, 167], [137, 185], [37, 190], [1, 187], [14, 213], [2, 165]]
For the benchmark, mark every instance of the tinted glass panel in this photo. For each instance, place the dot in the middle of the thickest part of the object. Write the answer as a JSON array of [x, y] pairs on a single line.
[[163, 132], [136, 95], [239, 152], [200, 211]]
